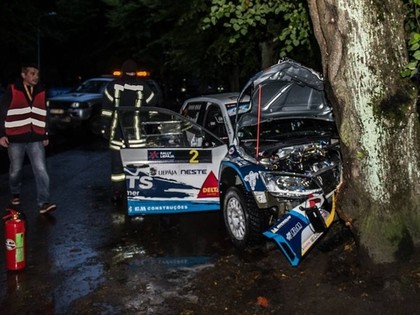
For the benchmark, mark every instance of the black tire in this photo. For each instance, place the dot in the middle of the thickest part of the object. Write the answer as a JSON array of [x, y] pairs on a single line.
[[94, 124], [243, 220]]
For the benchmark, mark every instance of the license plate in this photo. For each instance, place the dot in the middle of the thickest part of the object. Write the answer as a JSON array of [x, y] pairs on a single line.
[[56, 111]]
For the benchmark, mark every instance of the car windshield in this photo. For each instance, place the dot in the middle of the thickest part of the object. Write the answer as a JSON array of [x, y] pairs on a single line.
[[235, 111], [159, 127], [91, 86]]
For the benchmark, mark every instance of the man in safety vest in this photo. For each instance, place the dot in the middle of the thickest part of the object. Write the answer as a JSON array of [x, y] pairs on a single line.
[[127, 90], [23, 130]]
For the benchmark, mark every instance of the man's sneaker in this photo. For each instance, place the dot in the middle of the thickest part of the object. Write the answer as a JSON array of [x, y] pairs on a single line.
[[15, 200], [47, 207]]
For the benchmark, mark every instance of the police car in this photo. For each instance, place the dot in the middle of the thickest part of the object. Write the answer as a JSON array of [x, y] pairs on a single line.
[[267, 157]]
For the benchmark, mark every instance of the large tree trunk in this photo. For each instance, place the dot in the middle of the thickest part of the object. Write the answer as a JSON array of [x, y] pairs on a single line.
[[268, 54], [363, 51]]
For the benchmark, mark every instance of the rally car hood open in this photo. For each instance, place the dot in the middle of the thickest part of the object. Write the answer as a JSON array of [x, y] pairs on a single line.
[[284, 89]]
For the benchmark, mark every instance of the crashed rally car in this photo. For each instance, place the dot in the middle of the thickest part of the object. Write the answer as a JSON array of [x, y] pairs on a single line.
[[273, 176]]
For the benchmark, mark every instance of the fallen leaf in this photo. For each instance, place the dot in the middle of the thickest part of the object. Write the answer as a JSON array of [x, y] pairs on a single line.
[[348, 248], [262, 301]]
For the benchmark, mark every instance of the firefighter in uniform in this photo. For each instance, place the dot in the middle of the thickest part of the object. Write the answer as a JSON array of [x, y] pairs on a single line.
[[127, 90]]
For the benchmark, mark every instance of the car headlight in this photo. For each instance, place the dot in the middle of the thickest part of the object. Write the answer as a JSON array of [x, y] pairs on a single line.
[[75, 105], [289, 185]]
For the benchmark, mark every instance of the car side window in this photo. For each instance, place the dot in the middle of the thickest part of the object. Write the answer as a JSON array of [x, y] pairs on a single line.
[[192, 111], [214, 122]]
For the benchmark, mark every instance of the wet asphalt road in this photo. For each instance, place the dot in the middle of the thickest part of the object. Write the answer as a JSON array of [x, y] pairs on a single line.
[[71, 252]]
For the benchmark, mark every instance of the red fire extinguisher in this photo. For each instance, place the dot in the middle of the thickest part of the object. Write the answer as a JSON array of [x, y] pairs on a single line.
[[14, 228]]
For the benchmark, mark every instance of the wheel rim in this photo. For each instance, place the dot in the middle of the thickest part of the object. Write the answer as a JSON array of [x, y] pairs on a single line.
[[236, 218]]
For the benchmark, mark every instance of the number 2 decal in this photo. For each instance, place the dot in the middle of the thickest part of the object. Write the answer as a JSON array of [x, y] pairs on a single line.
[[194, 156]]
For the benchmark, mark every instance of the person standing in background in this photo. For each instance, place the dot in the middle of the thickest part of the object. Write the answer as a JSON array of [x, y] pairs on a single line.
[[23, 131]]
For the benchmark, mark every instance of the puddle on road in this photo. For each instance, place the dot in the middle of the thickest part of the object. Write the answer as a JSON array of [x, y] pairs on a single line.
[[145, 282], [50, 288], [126, 276], [150, 262], [82, 273], [131, 264]]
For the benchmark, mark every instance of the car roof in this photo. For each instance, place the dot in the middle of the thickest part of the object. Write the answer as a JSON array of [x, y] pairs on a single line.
[[100, 79], [225, 98]]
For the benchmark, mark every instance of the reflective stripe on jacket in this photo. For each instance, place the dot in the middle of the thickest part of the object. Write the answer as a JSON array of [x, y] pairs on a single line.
[[25, 119], [125, 91]]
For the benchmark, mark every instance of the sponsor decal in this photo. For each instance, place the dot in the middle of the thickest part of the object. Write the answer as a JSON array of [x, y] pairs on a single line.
[[165, 172], [160, 155], [251, 178], [294, 231], [240, 161], [210, 187], [193, 106], [194, 172], [260, 196], [153, 155], [142, 182], [180, 156], [174, 172], [280, 224], [158, 208], [146, 206], [309, 242]]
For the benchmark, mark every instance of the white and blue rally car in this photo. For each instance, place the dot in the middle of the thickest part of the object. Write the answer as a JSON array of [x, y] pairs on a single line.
[[268, 157]]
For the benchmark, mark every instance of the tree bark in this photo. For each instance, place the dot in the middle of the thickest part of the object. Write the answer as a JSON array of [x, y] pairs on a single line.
[[268, 55], [363, 49]]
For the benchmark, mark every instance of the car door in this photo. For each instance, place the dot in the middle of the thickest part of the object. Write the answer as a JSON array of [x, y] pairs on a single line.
[[170, 162], [214, 121]]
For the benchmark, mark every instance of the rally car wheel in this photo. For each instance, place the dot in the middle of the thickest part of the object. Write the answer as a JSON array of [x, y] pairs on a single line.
[[243, 220]]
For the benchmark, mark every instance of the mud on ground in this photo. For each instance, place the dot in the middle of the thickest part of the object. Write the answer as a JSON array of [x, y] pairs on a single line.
[[328, 281]]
